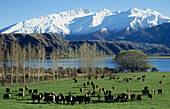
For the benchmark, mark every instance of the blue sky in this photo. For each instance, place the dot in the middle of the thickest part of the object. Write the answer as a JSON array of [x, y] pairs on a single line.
[[14, 11]]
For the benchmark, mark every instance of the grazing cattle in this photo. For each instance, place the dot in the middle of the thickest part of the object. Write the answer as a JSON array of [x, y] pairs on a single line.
[[87, 98], [93, 93], [138, 97], [159, 91], [139, 78], [88, 92], [124, 97], [6, 96], [112, 78], [118, 97], [143, 79], [97, 87], [88, 83], [35, 91], [160, 82], [49, 97], [100, 91], [130, 78], [37, 97], [21, 89], [75, 81], [98, 97], [81, 90], [114, 88], [96, 77], [118, 78], [129, 91], [80, 99], [153, 91], [26, 88], [144, 92], [89, 78], [92, 83], [134, 76], [84, 84], [143, 76], [93, 86], [132, 96], [146, 88], [163, 76], [7, 90], [74, 78], [21, 94], [150, 96], [105, 92], [103, 89], [127, 80], [102, 76], [30, 91]]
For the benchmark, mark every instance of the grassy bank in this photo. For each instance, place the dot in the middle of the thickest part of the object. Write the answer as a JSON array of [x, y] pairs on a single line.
[[64, 86]]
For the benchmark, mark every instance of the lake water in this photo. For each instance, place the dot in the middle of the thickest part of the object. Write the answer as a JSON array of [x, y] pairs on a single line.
[[162, 64]]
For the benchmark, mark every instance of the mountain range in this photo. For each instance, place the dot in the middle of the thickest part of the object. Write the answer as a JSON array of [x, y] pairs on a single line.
[[111, 31], [84, 22]]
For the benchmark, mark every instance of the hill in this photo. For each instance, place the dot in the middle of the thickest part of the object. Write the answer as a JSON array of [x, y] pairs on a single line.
[[51, 41]]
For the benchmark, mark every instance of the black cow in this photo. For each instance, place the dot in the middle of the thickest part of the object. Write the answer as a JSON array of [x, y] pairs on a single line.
[[81, 90], [87, 99], [93, 86], [143, 76], [150, 96], [93, 93], [30, 91], [75, 81], [138, 97], [144, 92], [132, 96], [37, 97], [60, 98], [26, 88], [80, 99], [102, 76], [84, 84], [21, 94], [7, 90], [88, 83], [92, 83], [159, 91], [114, 88], [6, 96], [138, 78], [98, 97], [35, 91], [21, 89], [146, 88]]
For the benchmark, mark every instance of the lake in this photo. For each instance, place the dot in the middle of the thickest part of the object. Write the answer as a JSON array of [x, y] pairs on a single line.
[[162, 64]]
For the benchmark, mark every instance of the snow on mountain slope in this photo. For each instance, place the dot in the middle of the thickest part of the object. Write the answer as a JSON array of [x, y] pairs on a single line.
[[83, 21]]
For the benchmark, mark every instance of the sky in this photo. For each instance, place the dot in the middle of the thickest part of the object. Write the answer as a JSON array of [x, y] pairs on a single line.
[[14, 11]]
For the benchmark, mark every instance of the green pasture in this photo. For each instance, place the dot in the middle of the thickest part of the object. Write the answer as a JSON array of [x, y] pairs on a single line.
[[64, 86]]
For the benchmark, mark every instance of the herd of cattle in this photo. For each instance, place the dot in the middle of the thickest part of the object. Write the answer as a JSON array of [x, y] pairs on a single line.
[[86, 98]]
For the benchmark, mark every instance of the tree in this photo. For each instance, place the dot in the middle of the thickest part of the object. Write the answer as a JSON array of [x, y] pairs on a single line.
[[132, 60]]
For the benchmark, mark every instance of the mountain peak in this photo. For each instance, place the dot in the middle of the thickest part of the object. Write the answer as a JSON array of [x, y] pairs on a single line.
[[83, 21]]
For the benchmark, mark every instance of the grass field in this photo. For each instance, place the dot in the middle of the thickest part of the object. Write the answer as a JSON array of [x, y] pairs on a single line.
[[64, 86]]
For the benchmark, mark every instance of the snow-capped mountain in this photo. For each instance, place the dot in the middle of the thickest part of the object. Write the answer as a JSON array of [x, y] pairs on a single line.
[[84, 21]]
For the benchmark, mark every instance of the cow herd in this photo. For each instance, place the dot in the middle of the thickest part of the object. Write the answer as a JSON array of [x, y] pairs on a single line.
[[87, 96]]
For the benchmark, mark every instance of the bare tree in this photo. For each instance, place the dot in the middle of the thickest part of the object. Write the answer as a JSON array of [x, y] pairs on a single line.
[[24, 59], [29, 62], [12, 51], [43, 61], [39, 49], [52, 56]]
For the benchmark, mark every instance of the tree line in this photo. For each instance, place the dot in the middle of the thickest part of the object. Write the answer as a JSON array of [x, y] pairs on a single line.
[[26, 64]]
